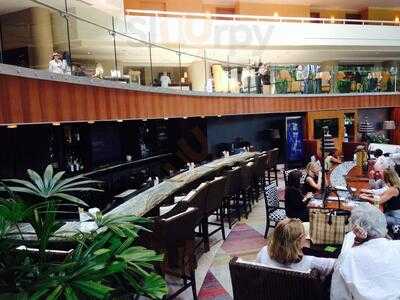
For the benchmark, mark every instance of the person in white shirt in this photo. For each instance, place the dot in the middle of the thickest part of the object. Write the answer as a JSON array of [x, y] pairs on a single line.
[[368, 267], [382, 162], [376, 183], [165, 80], [332, 160], [284, 250], [56, 65], [99, 71]]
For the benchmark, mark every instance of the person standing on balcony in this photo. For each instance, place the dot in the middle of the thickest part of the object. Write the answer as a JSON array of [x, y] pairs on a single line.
[[99, 71], [56, 64], [165, 80], [66, 60]]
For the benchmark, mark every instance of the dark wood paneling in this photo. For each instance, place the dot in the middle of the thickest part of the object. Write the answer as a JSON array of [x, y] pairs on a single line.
[[26, 100]]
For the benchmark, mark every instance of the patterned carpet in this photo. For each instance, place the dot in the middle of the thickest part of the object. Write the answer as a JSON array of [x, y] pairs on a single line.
[[245, 240]]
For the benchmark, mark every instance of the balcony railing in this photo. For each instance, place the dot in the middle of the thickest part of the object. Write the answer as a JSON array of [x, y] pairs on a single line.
[[94, 44], [239, 17]]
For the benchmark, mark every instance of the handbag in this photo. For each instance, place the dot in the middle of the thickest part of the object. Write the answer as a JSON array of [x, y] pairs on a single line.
[[328, 227]]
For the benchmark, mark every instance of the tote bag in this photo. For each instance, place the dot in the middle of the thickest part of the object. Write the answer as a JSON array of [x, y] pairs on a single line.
[[328, 227]]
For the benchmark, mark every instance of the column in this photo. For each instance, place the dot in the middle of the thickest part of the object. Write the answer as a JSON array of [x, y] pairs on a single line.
[[41, 37]]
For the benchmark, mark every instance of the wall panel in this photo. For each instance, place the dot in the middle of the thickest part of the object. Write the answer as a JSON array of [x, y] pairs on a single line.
[[26, 100]]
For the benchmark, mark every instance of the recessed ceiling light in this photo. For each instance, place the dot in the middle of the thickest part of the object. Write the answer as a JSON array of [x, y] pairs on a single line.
[[144, 120], [219, 116], [56, 124], [12, 126], [120, 121], [185, 118], [90, 122], [165, 119]]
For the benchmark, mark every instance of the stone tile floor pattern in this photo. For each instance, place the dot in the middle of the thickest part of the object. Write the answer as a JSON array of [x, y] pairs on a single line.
[[244, 240]]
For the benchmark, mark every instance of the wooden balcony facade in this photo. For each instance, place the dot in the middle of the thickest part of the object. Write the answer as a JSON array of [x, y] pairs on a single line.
[[30, 97]]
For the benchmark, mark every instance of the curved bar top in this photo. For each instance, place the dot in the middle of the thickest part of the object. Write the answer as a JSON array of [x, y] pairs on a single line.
[[142, 203], [339, 173]]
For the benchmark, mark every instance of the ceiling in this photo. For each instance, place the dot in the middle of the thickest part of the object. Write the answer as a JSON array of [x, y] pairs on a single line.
[[323, 4], [113, 7], [7, 6]]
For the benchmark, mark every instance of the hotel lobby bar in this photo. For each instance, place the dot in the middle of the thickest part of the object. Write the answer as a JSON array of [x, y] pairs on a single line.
[[199, 150]]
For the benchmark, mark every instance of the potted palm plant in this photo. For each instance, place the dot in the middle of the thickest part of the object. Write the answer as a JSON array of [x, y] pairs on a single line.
[[103, 263]]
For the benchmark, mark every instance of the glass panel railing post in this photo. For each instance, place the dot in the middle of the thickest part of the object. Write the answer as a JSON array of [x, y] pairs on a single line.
[[68, 37], [180, 67], [112, 33], [207, 86], [229, 74], [1, 43], [151, 61]]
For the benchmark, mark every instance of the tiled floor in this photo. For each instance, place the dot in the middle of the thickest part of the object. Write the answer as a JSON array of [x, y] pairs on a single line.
[[244, 240]]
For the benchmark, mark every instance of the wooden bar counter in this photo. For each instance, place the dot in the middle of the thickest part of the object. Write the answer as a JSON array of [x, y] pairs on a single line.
[[347, 173]]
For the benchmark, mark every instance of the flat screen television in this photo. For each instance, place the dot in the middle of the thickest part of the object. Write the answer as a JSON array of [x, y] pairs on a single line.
[[333, 125]]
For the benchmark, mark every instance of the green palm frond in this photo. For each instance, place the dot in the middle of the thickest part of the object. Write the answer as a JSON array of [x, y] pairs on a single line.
[[53, 186]]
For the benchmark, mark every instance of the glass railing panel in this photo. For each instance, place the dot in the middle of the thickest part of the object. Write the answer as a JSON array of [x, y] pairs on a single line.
[[235, 82], [366, 80], [32, 35], [227, 75], [193, 75], [95, 41], [54, 4], [133, 60], [166, 69], [300, 79], [97, 12], [220, 74], [92, 50], [196, 74], [121, 25]]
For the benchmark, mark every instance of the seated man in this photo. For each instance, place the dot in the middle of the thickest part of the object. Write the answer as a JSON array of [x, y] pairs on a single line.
[[376, 183], [369, 266]]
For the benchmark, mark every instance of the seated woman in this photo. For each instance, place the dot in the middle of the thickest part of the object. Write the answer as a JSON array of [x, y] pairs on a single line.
[[284, 250], [368, 266], [331, 160], [295, 200], [313, 180], [390, 199]]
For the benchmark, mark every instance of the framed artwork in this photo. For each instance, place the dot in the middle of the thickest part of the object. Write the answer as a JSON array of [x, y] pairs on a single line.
[[294, 138]]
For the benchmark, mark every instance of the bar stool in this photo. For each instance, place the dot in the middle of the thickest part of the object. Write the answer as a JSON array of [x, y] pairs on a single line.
[[246, 188], [260, 169], [174, 237], [233, 206], [196, 198], [273, 156], [214, 207]]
